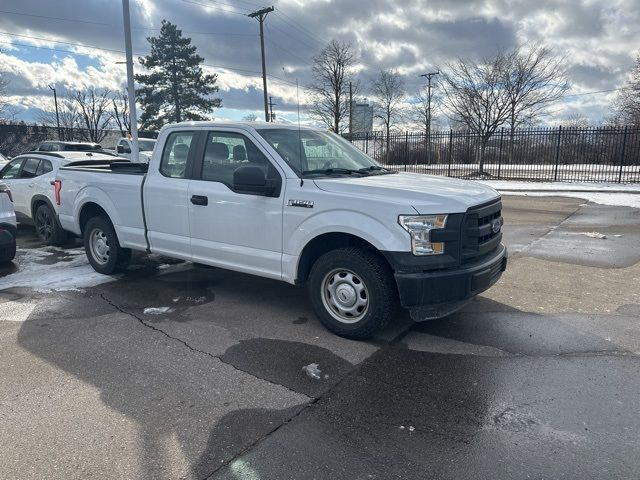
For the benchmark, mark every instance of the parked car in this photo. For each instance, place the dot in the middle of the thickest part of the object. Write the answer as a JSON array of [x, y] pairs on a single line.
[[8, 226], [61, 146], [30, 177], [124, 148], [294, 204]]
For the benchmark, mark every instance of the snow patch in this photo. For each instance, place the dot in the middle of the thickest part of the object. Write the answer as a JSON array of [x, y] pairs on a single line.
[[622, 194], [601, 236], [157, 310], [39, 270], [313, 371]]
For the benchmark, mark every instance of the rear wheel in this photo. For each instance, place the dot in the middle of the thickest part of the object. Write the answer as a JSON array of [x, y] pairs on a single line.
[[47, 228], [352, 291], [102, 247]]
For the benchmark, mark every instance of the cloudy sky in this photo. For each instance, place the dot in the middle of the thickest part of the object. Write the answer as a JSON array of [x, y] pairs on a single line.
[[77, 43]]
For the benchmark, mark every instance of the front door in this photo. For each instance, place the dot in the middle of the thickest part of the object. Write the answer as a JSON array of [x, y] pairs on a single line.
[[166, 201], [231, 230]]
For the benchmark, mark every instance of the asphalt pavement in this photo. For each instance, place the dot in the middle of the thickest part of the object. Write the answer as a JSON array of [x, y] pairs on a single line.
[[537, 378]]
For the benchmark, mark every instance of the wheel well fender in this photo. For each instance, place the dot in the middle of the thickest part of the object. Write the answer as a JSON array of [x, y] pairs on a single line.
[[324, 243], [88, 211], [37, 201]]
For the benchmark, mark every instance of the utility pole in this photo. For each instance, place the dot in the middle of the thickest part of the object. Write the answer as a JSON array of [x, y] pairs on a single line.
[[55, 100], [133, 118], [272, 117], [261, 15], [429, 76], [350, 108]]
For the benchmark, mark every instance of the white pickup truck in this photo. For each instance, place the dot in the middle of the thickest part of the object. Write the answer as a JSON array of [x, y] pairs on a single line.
[[298, 205]]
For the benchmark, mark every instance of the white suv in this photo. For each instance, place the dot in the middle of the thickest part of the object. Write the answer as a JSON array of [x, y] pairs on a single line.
[[7, 226], [30, 178]]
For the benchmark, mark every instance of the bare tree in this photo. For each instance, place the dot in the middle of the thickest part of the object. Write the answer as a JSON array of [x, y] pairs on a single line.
[[120, 113], [388, 91], [628, 101], [94, 114], [475, 96], [332, 71], [4, 102], [534, 78], [67, 113], [251, 117]]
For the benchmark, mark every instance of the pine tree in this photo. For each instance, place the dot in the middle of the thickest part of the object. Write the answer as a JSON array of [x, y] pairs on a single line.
[[176, 89]]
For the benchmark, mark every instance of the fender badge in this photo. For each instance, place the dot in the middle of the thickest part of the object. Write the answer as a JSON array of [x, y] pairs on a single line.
[[300, 203]]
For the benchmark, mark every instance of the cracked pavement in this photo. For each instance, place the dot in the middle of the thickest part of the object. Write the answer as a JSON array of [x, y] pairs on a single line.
[[536, 378]]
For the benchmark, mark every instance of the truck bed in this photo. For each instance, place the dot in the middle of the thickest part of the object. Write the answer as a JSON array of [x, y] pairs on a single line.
[[115, 186]]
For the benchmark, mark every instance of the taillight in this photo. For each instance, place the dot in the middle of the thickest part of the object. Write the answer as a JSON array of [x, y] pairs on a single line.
[[5, 189], [57, 186]]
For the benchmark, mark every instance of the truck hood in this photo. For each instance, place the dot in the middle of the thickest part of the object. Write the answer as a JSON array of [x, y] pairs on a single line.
[[428, 194]]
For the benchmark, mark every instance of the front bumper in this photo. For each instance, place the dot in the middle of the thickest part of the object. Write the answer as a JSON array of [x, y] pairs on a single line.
[[451, 286]]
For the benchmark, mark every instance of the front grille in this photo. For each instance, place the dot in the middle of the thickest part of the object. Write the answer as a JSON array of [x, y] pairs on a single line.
[[478, 237]]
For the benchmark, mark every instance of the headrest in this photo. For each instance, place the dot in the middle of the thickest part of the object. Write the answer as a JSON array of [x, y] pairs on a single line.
[[217, 151], [181, 150], [239, 153]]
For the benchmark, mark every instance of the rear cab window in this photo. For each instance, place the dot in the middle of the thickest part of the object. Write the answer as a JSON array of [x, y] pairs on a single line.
[[176, 151]]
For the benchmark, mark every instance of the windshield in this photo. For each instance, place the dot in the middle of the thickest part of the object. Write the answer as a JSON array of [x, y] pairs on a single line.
[[311, 152], [146, 145], [80, 147]]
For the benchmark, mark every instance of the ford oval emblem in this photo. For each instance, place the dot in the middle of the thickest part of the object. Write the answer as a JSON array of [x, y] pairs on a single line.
[[496, 225]]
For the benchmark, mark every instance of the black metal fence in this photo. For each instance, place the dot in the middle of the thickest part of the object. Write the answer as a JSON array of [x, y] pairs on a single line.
[[592, 154], [19, 138]]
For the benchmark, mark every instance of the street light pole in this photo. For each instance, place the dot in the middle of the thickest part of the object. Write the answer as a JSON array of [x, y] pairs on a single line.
[[133, 118], [261, 15], [55, 100]]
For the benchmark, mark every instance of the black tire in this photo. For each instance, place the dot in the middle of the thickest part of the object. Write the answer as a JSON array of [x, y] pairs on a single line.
[[367, 278], [113, 258], [47, 227], [8, 253]]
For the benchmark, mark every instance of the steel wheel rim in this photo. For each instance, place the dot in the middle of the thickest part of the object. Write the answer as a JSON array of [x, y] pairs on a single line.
[[44, 225], [99, 246], [345, 295]]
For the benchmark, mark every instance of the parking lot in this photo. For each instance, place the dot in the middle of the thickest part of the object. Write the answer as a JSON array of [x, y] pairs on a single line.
[[536, 378]]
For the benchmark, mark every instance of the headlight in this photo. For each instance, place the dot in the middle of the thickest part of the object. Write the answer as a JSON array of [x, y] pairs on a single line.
[[419, 227]]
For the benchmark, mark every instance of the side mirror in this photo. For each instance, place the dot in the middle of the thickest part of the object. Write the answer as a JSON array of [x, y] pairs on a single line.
[[252, 180]]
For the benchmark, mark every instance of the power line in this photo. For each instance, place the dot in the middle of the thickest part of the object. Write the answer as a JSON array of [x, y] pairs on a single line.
[[210, 5], [594, 92], [53, 18]]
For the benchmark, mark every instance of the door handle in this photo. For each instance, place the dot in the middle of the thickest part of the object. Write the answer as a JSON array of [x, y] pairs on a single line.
[[199, 200], [31, 185]]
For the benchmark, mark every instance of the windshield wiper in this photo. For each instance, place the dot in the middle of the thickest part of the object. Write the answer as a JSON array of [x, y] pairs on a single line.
[[375, 168], [333, 171]]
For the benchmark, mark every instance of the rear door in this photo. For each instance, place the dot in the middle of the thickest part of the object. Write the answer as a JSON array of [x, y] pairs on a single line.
[[228, 229], [166, 201]]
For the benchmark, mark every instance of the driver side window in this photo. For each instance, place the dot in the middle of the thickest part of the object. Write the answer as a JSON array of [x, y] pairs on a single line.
[[175, 154]]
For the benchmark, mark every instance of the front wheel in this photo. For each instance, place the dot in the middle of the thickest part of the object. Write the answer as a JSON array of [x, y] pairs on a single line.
[[352, 291], [103, 250]]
